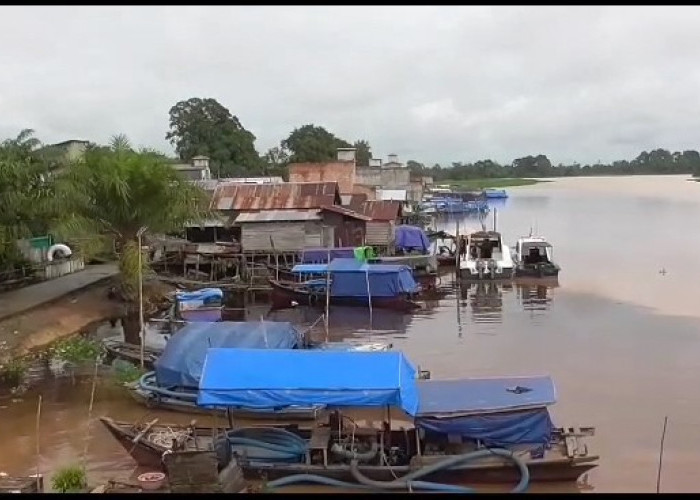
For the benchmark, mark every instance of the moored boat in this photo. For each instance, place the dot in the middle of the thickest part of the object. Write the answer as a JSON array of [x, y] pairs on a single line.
[[462, 429], [533, 258], [493, 193], [352, 283], [485, 256]]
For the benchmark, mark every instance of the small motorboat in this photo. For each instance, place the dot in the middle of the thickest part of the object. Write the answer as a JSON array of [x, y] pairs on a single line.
[[533, 258]]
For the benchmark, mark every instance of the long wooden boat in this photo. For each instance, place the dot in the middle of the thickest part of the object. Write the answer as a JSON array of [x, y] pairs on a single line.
[[284, 293], [565, 459], [131, 353]]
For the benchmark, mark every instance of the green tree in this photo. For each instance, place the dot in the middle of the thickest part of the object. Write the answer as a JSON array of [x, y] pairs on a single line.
[[363, 153], [205, 127], [26, 196], [311, 143], [118, 191]]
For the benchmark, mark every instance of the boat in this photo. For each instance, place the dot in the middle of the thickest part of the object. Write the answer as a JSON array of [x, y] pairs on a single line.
[[172, 383], [125, 351], [205, 304], [485, 257], [470, 429], [352, 283], [533, 258], [493, 193]]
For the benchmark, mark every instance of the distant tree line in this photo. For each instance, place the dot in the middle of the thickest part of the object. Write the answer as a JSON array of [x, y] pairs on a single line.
[[658, 161]]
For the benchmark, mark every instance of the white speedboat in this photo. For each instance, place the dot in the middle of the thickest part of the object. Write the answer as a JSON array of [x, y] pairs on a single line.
[[533, 258], [484, 257]]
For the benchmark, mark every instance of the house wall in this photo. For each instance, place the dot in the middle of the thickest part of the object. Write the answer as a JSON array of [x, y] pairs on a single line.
[[380, 233], [290, 236], [347, 231], [369, 176]]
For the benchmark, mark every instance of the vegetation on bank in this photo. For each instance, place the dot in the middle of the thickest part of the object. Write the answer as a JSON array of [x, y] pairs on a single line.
[[478, 184], [69, 479]]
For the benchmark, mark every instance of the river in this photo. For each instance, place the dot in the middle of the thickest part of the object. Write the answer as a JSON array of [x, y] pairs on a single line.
[[620, 335]]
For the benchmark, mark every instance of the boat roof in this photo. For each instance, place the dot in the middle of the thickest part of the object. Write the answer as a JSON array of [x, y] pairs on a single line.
[[310, 268], [353, 265], [485, 234], [183, 357], [450, 398], [534, 239], [277, 378]]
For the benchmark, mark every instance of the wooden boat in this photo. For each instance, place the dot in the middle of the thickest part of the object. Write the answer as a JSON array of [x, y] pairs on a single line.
[[491, 422], [533, 258], [131, 353]]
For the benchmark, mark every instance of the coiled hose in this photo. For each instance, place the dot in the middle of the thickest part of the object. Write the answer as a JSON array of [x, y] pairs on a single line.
[[267, 445], [411, 481]]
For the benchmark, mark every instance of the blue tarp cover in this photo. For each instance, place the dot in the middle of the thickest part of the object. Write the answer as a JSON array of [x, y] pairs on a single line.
[[479, 395], [411, 238], [203, 296], [495, 429], [385, 280], [320, 255], [310, 268], [183, 357], [279, 378]]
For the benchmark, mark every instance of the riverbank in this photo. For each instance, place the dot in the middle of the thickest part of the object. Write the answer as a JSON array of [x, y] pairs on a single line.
[[477, 184], [32, 330]]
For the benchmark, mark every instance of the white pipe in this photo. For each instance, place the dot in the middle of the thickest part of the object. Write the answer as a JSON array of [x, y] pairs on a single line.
[[60, 247]]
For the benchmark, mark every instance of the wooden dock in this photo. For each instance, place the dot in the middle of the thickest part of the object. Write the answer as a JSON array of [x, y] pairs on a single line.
[[22, 484]]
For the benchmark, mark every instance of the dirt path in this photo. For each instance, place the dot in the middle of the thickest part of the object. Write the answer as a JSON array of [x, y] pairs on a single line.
[[24, 299]]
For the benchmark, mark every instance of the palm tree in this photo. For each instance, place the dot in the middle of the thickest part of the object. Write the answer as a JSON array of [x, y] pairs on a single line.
[[116, 191]]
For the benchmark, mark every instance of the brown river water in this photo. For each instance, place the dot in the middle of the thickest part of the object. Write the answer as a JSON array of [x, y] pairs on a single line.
[[620, 335]]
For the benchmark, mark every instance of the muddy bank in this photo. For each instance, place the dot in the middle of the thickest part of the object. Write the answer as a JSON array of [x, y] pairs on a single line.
[[69, 315]]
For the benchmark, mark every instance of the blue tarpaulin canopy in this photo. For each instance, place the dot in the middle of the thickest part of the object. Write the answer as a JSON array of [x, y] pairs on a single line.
[[320, 255], [496, 411], [264, 379], [181, 363], [411, 238], [350, 278], [310, 269], [480, 395]]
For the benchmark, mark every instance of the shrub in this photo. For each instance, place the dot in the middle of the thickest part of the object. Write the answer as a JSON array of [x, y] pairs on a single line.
[[70, 479]]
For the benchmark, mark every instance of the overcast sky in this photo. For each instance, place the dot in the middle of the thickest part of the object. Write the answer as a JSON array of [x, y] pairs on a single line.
[[434, 84]]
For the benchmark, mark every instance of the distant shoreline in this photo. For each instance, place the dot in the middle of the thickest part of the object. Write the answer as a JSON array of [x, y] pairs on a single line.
[[490, 183]]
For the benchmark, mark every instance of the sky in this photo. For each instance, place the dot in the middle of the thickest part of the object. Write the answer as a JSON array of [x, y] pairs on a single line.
[[432, 84]]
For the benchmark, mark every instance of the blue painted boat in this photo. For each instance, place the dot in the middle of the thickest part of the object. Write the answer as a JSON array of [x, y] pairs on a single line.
[[493, 193], [353, 283]]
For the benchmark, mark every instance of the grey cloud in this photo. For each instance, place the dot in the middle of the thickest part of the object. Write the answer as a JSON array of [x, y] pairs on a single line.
[[436, 84]]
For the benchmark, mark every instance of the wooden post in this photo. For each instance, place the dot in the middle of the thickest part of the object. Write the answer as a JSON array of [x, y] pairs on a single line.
[[328, 294], [38, 455], [369, 296]]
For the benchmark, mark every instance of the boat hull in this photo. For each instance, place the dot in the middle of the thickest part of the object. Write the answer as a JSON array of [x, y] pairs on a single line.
[[559, 467], [283, 294], [152, 399], [534, 271], [467, 275], [498, 473]]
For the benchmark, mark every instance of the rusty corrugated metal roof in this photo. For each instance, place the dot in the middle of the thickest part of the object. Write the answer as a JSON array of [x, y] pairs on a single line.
[[382, 209], [287, 195], [354, 201], [346, 212], [278, 216]]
